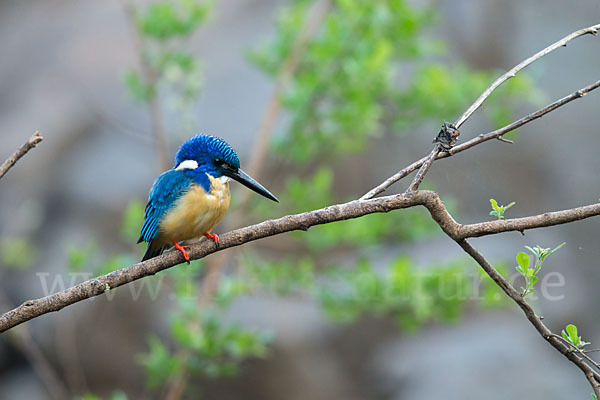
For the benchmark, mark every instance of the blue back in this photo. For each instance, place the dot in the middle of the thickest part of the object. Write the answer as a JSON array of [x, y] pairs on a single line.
[[167, 188]]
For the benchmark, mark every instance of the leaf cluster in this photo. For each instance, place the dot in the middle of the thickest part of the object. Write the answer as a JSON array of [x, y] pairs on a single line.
[[529, 272]]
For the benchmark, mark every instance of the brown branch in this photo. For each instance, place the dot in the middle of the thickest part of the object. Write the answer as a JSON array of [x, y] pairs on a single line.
[[97, 286], [512, 72], [303, 221], [521, 224], [498, 133], [579, 351], [20, 152]]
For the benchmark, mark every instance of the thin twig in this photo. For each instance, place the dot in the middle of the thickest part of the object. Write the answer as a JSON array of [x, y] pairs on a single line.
[[481, 138], [414, 186], [20, 152], [512, 72], [150, 79]]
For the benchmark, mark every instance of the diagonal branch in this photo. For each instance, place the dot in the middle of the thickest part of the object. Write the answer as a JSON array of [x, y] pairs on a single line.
[[414, 186], [498, 133], [513, 71], [592, 376], [20, 152], [428, 161]]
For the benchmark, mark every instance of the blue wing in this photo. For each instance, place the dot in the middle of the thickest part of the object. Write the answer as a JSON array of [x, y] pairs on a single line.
[[167, 188]]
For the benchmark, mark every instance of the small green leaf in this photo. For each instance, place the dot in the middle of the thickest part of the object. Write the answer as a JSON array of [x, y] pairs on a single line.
[[572, 331], [523, 260], [509, 206], [533, 280], [494, 204], [558, 247]]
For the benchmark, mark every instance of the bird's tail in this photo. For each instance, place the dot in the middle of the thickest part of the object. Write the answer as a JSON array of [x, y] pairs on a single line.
[[154, 249]]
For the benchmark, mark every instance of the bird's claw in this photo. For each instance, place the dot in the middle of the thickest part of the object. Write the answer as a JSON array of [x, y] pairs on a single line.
[[214, 237], [182, 250]]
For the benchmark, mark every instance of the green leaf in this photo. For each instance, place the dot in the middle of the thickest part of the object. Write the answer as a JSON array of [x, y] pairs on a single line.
[[557, 247], [494, 204], [572, 331], [523, 260]]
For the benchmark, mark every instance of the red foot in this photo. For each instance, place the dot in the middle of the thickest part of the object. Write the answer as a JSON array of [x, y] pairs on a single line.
[[182, 250], [213, 236]]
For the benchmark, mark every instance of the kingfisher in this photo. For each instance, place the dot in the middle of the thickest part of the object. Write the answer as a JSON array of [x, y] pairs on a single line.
[[188, 201]]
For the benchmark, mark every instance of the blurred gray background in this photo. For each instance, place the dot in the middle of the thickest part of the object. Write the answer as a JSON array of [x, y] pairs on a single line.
[[61, 73]]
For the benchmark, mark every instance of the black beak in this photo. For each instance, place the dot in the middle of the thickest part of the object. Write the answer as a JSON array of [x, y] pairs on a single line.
[[250, 183]]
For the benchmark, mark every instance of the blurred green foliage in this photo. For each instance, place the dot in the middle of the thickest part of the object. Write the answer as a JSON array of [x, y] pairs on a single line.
[[117, 395], [164, 20], [171, 73], [17, 252], [368, 71]]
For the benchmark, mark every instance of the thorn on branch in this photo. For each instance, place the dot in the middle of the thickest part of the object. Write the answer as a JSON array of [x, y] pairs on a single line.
[[503, 139], [447, 136]]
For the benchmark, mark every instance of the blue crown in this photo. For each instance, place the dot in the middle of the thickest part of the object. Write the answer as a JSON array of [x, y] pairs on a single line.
[[205, 149]]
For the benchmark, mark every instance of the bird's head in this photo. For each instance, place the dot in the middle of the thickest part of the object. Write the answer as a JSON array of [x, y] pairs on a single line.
[[204, 154]]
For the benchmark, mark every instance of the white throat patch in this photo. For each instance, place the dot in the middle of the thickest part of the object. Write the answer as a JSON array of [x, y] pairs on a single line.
[[187, 164]]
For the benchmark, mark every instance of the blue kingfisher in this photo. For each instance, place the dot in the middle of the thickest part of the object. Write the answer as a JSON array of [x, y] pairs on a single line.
[[189, 200]]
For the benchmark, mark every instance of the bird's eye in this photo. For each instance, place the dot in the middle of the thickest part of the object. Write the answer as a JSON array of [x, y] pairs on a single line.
[[222, 163]]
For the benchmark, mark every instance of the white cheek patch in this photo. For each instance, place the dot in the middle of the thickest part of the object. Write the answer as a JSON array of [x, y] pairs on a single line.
[[224, 179], [187, 164]]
